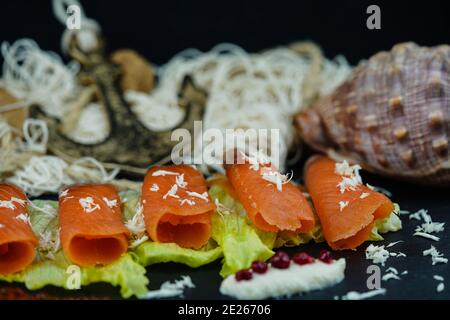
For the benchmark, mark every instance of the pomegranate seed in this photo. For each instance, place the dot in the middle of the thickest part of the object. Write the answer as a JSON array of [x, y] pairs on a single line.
[[303, 258], [259, 266], [325, 256], [280, 260], [245, 274]]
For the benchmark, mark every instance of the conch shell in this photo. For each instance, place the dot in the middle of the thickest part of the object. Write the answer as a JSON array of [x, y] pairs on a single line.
[[391, 116]]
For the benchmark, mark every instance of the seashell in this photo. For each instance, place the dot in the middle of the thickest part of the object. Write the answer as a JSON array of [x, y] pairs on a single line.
[[392, 115]]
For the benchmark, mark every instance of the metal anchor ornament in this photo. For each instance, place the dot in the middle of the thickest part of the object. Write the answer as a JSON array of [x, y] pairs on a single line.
[[129, 143]]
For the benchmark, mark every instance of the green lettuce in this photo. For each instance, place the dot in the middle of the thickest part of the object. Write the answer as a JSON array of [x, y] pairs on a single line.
[[289, 239], [240, 241], [52, 265], [152, 252], [391, 223]]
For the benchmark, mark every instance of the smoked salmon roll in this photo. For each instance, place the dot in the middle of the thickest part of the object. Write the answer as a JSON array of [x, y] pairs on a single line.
[[347, 209], [176, 206], [271, 201], [92, 231], [17, 240]]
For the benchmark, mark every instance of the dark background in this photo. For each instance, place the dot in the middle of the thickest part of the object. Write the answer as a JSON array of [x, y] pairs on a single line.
[[160, 29]]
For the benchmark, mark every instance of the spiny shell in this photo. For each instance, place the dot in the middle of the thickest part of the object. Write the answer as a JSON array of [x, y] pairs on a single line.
[[392, 115]]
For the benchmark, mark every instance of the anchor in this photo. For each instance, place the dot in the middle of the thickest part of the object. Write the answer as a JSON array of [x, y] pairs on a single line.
[[129, 143]]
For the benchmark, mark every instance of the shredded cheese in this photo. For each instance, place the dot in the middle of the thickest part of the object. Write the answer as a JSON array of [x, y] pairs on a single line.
[[7, 204], [88, 204], [378, 254], [436, 256], [2, 226], [163, 173], [203, 196], [188, 201], [354, 295], [179, 180], [23, 217], [389, 276], [393, 243], [171, 289], [364, 195], [426, 235], [172, 192], [342, 205], [110, 202]]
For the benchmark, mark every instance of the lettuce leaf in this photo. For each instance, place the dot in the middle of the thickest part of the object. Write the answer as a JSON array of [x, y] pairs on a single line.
[[153, 252], [240, 241], [289, 239], [51, 267], [391, 223], [125, 273]]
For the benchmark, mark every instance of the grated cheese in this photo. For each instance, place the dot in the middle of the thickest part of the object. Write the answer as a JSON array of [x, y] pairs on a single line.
[[172, 192], [169, 289], [342, 205], [392, 270], [378, 254], [419, 215], [163, 173], [188, 201], [64, 193], [344, 169], [436, 256], [350, 176], [88, 204], [393, 243], [203, 196], [19, 201], [110, 203], [136, 224], [179, 180], [364, 195], [426, 235], [353, 295], [136, 242], [23, 217], [7, 204], [389, 276], [431, 227], [154, 188]]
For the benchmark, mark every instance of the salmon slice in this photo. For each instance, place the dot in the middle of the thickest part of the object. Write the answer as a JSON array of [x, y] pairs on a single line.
[[17, 240], [267, 207], [347, 216], [92, 231], [176, 206]]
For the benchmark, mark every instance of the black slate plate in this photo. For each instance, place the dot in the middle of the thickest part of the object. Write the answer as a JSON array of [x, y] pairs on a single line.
[[417, 284]]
